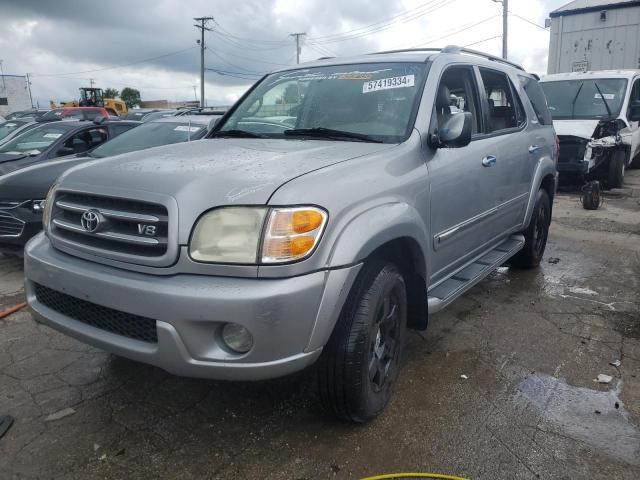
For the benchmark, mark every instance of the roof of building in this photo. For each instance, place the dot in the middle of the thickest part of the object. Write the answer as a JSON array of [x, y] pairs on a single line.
[[584, 6], [628, 74]]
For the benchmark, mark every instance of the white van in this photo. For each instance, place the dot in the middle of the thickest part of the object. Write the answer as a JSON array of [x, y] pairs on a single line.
[[592, 115]]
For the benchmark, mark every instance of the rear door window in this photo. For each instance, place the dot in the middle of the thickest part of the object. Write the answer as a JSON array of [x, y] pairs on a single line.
[[503, 109]]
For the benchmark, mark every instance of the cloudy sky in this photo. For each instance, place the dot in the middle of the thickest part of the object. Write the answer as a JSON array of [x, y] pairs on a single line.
[[151, 44]]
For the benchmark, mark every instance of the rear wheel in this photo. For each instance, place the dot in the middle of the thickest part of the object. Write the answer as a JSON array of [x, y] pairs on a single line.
[[617, 165], [360, 363], [536, 234]]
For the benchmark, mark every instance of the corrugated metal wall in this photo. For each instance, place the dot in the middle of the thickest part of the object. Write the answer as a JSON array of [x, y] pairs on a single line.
[[609, 44], [13, 90]]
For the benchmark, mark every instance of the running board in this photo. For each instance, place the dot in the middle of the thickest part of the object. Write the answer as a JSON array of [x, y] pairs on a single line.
[[461, 281]]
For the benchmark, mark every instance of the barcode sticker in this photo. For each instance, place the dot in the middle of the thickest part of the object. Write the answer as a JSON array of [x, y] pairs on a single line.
[[389, 83]]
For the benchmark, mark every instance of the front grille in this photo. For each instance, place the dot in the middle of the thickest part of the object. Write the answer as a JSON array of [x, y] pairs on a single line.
[[104, 318], [10, 226], [128, 227], [571, 148]]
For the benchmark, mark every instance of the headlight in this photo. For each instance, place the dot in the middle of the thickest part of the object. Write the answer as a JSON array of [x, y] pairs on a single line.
[[235, 234], [228, 235], [47, 207]]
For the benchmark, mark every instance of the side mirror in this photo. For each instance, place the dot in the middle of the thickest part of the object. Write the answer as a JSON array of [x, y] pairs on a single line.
[[634, 111], [456, 132]]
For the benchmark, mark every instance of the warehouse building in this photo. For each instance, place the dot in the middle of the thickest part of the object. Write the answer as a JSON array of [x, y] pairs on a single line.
[[14, 94], [594, 35]]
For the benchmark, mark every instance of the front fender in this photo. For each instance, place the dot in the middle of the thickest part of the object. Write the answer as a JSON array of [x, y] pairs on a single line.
[[545, 167], [375, 227]]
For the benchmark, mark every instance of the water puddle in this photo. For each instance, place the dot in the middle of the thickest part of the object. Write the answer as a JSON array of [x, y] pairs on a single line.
[[572, 410]]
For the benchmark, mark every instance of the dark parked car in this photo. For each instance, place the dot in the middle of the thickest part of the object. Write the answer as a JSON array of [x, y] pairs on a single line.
[[33, 112], [22, 191], [20, 197], [12, 128], [139, 114]]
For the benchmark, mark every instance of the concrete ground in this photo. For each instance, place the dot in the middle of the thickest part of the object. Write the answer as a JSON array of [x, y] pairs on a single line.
[[530, 344]]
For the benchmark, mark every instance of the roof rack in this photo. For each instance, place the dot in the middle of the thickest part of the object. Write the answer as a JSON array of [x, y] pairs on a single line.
[[455, 50]]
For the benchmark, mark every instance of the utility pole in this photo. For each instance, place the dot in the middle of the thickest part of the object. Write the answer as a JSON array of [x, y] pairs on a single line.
[[29, 88], [195, 94], [505, 25], [297, 37], [91, 82], [4, 86], [203, 26]]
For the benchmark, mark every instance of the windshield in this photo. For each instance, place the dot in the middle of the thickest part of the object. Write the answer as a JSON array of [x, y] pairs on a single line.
[[35, 141], [150, 135], [7, 127], [374, 100], [581, 98]]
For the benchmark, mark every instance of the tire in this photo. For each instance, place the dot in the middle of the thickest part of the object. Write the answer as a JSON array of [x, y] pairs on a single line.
[[536, 234], [617, 165], [360, 363]]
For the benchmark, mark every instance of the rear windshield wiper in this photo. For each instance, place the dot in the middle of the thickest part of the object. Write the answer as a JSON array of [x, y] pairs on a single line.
[[236, 133], [331, 133]]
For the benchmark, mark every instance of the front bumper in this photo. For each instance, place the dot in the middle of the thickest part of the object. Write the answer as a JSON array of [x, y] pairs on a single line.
[[17, 226], [289, 318], [576, 166]]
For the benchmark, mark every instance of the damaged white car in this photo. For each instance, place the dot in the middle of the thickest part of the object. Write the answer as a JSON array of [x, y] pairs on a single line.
[[595, 115]]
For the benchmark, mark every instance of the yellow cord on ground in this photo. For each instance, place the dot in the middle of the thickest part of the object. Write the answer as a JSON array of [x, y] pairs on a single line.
[[413, 475]]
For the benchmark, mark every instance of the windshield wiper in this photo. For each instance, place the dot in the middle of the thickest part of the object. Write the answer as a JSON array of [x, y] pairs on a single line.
[[573, 102], [236, 133], [331, 133], [606, 105]]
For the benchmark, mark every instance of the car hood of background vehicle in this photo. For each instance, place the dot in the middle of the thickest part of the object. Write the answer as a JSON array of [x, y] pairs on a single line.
[[208, 173], [32, 181], [576, 128], [11, 162]]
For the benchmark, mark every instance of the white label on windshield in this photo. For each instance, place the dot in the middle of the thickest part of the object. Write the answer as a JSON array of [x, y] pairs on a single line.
[[607, 96], [52, 135], [388, 83], [186, 128], [9, 124]]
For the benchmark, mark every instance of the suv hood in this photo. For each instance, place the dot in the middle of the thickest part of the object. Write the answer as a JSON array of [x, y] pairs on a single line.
[[576, 128], [208, 173], [10, 162]]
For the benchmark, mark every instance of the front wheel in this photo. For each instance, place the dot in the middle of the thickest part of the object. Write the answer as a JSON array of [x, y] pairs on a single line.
[[361, 360], [617, 165], [536, 234]]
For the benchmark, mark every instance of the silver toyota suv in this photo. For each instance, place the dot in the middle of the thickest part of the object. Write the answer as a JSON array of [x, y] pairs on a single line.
[[337, 204]]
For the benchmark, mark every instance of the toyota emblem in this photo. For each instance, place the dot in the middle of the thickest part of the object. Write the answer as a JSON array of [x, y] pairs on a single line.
[[91, 221]]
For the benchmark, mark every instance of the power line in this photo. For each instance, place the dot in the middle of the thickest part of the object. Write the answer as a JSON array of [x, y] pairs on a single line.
[[482, 41], [528, 21], [460, 30], [114, 66], [377, 26]]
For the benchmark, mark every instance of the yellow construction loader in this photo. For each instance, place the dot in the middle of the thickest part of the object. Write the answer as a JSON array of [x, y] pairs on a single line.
[[93, 97]]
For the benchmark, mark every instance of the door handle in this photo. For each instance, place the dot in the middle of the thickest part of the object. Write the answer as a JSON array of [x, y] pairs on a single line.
[[489, 161], [534, 148]]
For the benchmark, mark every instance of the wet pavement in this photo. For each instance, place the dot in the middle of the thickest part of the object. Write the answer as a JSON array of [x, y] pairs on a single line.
[[530, 343]]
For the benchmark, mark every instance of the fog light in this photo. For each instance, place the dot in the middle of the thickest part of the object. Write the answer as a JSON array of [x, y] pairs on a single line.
[[237, 338]]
